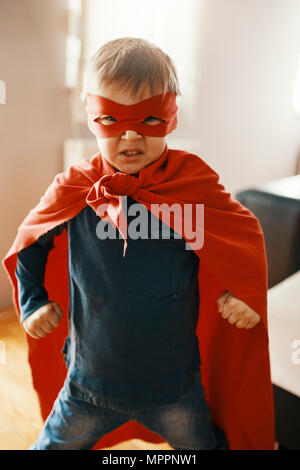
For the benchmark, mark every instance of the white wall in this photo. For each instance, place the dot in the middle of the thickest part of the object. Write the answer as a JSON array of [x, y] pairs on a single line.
[[244, 122], [35, 119]]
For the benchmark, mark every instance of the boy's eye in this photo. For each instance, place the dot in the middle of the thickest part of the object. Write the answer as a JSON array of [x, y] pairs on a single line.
[[153, 120], [106, 120], [150, 120]]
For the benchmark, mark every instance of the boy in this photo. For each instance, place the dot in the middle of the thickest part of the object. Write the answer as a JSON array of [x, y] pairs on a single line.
[[142, 311]]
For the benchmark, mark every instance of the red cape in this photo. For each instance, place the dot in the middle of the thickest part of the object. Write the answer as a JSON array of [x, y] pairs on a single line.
[[235, 362]]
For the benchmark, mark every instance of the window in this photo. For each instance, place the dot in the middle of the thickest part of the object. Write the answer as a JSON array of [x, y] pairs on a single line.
[[73, 42]]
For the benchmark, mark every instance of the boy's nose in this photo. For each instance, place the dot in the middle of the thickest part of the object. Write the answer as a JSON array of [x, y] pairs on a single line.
[[131, 135]]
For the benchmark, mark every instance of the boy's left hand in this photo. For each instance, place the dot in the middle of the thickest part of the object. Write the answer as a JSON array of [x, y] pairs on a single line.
[[236, 312]]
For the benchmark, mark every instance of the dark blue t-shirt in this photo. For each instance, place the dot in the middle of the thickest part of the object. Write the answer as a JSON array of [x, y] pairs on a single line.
[[132, 320]]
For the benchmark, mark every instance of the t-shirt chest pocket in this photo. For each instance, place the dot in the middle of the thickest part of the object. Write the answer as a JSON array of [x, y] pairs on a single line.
[[170, 269]]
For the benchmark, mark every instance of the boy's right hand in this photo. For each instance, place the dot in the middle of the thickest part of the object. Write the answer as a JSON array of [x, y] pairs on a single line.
[[43, 320]]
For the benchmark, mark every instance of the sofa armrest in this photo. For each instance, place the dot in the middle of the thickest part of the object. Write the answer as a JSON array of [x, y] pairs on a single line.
[[277, 207]]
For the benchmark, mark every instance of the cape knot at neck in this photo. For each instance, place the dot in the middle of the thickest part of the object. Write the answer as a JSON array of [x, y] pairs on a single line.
[[120, 184]]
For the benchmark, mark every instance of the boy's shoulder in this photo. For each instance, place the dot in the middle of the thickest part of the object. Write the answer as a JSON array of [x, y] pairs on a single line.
[[190, 162], [79, 173]]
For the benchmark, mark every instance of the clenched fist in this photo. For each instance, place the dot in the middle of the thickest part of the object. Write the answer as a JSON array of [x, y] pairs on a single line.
[[43, 320], [237, 312]]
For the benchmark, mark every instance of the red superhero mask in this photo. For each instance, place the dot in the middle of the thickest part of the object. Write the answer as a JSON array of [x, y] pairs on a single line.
[[132, 117]]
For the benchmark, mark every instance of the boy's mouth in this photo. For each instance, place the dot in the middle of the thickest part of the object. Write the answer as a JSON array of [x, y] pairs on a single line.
[[131, 152]]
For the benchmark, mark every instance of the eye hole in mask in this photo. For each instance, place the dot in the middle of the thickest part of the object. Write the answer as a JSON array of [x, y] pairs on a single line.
[[153, 120], [150, 120]]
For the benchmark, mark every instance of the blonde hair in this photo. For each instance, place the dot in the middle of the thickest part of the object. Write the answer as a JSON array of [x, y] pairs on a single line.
[[131, 63]]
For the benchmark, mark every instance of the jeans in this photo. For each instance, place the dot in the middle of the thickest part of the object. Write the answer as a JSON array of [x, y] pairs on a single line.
[[74, 424]]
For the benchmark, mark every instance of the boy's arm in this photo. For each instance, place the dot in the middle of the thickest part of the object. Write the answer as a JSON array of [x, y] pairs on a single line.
[[30, 272]]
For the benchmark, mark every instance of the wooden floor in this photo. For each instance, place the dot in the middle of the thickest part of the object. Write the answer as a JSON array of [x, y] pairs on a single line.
[[20, 419]]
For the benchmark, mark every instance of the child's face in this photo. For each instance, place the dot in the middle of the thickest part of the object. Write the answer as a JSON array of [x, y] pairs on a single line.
[[112, 148]]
